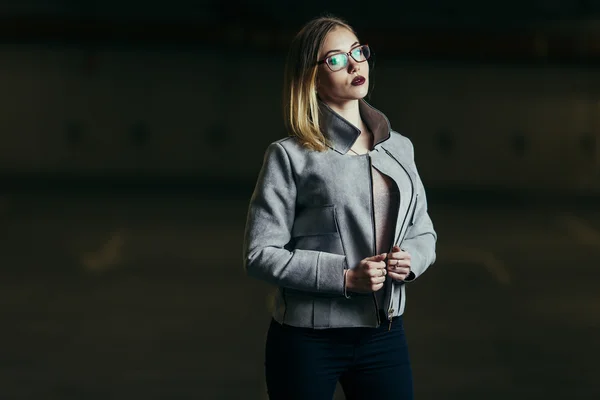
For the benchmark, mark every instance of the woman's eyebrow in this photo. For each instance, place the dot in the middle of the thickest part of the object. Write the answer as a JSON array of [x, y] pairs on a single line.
[[339, 51]]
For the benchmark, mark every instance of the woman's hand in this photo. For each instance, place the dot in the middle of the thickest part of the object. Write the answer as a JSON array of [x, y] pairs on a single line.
[[398, 265], [368, 276]]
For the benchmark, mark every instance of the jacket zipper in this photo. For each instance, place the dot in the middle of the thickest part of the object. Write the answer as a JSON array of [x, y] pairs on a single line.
[[373, 227], [391, 310]]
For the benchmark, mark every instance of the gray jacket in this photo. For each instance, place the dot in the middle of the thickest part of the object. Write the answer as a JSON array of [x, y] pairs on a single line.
[[311, 217]]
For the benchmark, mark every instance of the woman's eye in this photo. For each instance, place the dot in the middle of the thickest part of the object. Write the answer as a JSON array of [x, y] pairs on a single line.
[[337, 60]]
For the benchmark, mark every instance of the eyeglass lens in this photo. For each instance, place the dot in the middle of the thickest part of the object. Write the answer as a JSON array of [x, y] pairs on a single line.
[[339, 61]]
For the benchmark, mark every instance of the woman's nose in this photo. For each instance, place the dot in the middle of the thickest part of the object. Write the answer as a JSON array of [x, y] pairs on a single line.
[[353, 65]]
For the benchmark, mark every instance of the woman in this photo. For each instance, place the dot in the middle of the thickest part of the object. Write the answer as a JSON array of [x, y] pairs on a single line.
[[338, 222]]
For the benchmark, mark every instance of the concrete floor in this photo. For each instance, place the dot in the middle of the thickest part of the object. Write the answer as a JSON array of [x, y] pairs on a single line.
[[122, 296]]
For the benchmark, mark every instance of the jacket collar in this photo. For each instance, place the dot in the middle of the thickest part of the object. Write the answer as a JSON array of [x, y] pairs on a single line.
[[342, 134]]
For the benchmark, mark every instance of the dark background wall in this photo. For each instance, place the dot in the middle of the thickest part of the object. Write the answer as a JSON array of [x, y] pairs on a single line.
[[498, 95], [131, 135]]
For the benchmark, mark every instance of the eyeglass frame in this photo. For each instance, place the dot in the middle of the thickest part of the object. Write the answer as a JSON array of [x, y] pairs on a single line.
[[348, 54]]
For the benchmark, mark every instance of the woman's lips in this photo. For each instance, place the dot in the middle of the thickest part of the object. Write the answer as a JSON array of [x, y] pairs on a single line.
[[359, 80]]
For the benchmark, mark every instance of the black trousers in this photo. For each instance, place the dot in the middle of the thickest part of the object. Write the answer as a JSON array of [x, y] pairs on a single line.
[[369, 363]]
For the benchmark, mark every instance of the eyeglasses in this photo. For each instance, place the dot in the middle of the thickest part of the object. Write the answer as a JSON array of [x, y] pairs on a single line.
[[337, 62]]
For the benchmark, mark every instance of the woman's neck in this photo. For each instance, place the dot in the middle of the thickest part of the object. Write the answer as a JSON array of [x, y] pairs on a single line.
[[349, 111]]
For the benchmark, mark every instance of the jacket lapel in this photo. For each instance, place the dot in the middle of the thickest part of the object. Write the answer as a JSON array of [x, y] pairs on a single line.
[[399, 169]]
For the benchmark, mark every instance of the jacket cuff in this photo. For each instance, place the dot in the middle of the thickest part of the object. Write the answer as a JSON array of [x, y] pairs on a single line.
[[415, 264], [330, 273], [411, 277]]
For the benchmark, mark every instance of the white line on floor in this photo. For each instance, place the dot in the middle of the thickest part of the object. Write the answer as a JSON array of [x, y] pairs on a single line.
[[581, 230], [108, 256]]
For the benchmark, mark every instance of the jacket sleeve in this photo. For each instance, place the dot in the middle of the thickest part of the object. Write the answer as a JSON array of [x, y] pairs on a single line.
[[268, 229], [421, 238]]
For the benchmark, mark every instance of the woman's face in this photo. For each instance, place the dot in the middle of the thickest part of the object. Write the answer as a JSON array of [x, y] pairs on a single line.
[[349, 83]]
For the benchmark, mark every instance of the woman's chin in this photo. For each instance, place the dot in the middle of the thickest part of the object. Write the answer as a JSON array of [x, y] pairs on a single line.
[[360, 91], [352, 95]]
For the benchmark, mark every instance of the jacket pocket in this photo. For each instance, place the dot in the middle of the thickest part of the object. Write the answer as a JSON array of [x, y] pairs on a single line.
[[316, 228]]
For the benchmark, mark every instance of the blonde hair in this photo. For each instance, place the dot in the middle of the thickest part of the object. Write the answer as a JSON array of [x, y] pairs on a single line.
[[300, 103]]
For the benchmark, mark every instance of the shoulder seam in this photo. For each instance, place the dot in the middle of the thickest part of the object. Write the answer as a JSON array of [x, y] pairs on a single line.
[[289, 159]]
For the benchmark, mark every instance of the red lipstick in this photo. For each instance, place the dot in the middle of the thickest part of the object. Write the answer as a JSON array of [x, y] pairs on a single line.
[[359, 80]]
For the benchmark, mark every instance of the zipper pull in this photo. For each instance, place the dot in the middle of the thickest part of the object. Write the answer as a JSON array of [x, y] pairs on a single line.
[[390, 313]]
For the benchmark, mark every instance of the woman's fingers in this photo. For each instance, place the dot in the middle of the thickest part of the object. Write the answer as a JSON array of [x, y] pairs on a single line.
[[398, 276], [392, 264], [371, 269], [371, 284], [371, 273], [375, 288], [375, 264], [376, 258], [377, 271], [399, 255], [399, 270]]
